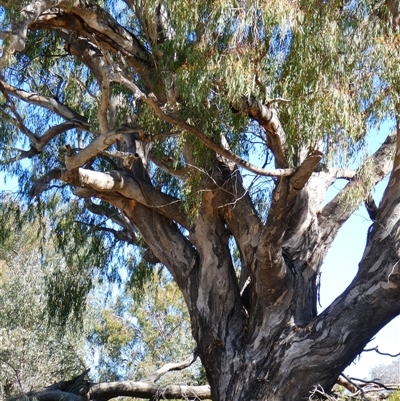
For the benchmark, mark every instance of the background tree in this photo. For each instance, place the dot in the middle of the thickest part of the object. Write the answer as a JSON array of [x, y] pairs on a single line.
[[194, 128], [141, 331], [32, 353], [386, 373]]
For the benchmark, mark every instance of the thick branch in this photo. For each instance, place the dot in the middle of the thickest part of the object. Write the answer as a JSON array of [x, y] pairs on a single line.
[[114, 181], [267, 117], [94, 22], [270, 268], [43, 101], [337, 211], [40, 185], [111, 213], [15, 40], [302, 175], [84, 50], [106, 391], [98, 145]]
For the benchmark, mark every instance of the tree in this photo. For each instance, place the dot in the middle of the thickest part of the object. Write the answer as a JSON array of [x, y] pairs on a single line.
[[146, 331], [32, 353], [386, 373], [205, 135]]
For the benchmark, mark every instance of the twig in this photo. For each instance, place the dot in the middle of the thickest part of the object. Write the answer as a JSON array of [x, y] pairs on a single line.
[[381, 353]]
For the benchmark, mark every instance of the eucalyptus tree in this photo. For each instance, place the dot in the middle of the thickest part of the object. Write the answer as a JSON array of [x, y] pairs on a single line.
[[32, 352], [204, 135]]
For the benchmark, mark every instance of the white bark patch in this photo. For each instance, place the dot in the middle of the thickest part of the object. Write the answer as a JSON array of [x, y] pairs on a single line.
[[378, 263], [99, 181], [371, 290]]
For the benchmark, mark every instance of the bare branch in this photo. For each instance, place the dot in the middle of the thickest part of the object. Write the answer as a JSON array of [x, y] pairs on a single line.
[[40, 185], [52, 132], [347, 384], [98, 145], [172, 366], [127, 158], [84, 50], [106, 391], [43, 101], [302, 175], [128, 187], [267, 117], [376, 349], [94, 21], [111, 213]]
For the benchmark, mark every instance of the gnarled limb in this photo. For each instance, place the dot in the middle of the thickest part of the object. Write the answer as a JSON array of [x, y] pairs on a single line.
[[93, 20], [128, 187], [267, 117]]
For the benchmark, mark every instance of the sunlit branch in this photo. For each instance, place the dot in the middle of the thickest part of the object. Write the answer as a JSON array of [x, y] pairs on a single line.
[[130, 188], [267, 117], [97, 146], [127, 158]]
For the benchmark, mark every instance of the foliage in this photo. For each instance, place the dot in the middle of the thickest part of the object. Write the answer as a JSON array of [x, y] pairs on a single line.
[[32, 352], [134, 336], [386, 373]]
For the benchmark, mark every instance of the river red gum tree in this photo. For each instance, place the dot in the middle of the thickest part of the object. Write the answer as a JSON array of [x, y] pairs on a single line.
[[148, 112]]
